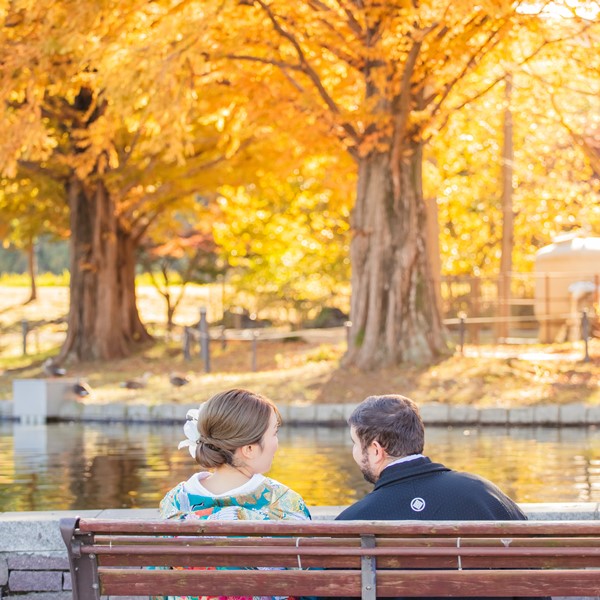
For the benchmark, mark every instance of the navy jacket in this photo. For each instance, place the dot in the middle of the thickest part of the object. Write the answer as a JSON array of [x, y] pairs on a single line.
[[421, 489]]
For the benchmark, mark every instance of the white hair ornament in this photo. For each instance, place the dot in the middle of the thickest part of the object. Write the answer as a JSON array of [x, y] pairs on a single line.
[[190, 429]]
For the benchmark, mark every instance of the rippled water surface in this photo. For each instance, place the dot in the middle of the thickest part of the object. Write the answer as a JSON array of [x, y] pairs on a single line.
[[75, 466]]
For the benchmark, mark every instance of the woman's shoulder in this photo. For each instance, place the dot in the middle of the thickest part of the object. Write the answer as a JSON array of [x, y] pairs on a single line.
[[180, 499], [285, 501], [277, 485], [170, 504]]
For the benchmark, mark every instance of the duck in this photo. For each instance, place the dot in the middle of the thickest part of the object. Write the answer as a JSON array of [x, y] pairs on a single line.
[[137, 383], [82, 389], [178, 379], [51, 369]]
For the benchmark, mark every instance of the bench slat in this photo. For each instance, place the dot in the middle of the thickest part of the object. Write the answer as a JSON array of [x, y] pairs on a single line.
[[342, 583], [333, 562], [192, 541], [474, 583], [152, 552], [232, 583], [388, 557], [312, 528]]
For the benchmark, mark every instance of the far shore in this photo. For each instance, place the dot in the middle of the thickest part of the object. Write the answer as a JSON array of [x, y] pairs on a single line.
[[298, 372]]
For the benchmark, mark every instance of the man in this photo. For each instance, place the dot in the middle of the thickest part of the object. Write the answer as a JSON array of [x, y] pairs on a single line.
[[388, 436]]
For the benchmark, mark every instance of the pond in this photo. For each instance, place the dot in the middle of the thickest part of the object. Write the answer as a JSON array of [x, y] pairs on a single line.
[[63, 466]]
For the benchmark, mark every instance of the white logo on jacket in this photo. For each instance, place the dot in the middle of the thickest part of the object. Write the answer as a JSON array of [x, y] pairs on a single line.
[[417, 504]]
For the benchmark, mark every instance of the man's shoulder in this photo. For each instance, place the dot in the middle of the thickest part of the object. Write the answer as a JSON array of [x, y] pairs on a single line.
[[378, 505], [471, 481], [362, 509], [471, 496], [352, 513]]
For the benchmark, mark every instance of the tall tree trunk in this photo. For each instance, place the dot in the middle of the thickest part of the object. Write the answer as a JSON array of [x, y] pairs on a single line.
[[103, 319], [127, 248], [31, 268], [433, 249], [504, 279], [394, 314]]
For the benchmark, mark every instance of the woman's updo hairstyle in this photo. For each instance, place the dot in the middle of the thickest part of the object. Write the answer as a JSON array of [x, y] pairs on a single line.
[[228, 421]]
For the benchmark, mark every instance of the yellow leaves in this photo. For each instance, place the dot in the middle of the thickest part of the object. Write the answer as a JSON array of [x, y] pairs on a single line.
[[96, 150], [419, 118], [24, 137], [496, 8], [285, 230], [179, 113]]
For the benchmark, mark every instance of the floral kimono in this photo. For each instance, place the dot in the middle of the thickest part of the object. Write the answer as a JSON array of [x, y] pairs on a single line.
[[259, 499]]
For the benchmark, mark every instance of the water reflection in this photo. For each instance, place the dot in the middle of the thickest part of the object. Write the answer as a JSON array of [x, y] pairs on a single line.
[[68, 466]]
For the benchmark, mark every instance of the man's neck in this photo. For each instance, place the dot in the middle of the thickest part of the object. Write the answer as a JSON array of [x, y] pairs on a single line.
[[403, 459]]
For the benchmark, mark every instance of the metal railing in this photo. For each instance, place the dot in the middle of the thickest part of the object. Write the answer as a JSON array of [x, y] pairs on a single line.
[[204, 336]]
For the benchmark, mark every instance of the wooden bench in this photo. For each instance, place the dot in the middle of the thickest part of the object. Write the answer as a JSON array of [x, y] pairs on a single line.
[[368, 559]]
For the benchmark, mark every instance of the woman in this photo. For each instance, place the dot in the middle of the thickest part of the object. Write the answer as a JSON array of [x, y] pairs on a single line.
[[234, 435]]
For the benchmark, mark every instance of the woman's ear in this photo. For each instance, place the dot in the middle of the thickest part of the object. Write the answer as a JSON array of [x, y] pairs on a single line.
[[247, 451]]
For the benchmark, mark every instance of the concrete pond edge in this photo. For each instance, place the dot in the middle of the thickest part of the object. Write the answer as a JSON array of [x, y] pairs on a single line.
[[435, 413]]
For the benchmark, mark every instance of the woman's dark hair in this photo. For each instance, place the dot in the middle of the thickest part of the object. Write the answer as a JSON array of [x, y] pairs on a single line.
[[393, 420], [228, 421]]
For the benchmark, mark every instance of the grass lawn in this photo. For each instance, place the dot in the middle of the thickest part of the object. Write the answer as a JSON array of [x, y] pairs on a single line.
[[294, 371]]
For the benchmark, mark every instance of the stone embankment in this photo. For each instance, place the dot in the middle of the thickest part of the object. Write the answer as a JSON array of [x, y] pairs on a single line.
[[575, 414], [33, 559]]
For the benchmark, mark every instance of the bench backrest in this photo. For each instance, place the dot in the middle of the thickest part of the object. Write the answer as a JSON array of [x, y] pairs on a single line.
[[368, 559]]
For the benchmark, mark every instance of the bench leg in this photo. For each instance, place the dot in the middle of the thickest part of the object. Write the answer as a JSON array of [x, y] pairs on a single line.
[[84, 567], [368, 567]]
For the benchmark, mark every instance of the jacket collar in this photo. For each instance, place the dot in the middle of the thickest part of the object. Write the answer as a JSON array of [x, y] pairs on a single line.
[[414, 468]]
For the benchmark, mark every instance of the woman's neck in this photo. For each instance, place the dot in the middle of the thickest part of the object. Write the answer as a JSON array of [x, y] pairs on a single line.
[[226, 478]]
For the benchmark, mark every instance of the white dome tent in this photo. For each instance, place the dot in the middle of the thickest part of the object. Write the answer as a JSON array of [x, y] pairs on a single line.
[[567, 281]]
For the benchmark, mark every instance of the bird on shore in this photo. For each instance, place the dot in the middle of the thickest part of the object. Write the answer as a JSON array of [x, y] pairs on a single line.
[[82, 389], [137, 383], [51, 369], [178, 379]]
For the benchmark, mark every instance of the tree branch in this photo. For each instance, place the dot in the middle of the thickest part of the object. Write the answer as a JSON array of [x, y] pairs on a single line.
[[502, 76], [308, 70], [352, 22], [471, 62]]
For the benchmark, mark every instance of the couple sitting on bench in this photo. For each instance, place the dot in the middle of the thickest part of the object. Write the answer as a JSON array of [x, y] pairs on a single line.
[[234, 434]]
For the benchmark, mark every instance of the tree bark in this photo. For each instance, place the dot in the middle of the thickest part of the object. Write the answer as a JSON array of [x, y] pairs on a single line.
[[31, 268], [433, 249], [504, 280], [394, 312], [103, 319]]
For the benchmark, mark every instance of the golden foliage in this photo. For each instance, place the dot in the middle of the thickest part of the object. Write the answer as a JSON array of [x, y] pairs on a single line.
[[167, 99]]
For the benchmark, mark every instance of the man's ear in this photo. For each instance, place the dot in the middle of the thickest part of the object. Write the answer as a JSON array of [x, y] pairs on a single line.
[[378, 451]]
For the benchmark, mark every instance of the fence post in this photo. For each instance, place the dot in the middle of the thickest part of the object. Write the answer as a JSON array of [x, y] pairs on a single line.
[[254, 349], [585, 333], [24, 331], [223, 338], [186, 343], [476, 308], [461, 332], [348, 326], [204, 339], [547, 309]]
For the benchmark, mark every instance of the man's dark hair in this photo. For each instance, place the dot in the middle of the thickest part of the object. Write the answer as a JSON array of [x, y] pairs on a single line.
[[393, 420]]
